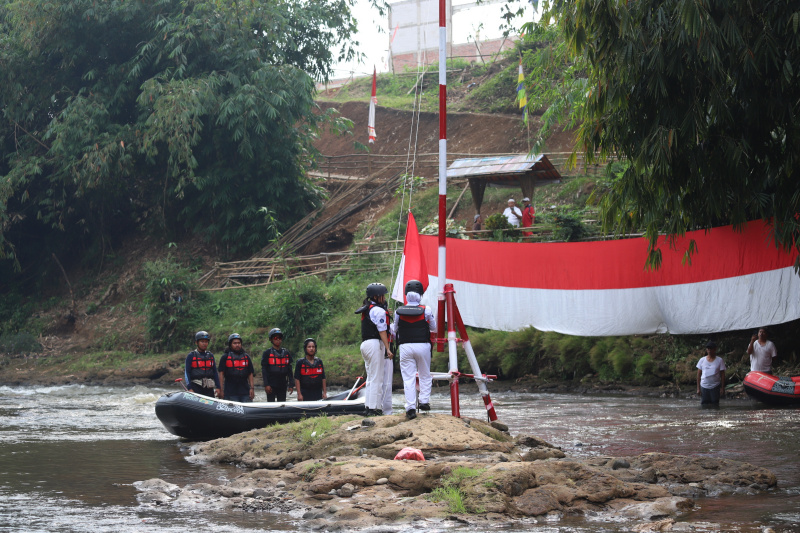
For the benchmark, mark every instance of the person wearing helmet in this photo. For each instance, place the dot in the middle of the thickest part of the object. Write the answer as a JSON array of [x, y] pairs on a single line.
[[375, 345], [201, 369], [236, 372], [412, 327], [309, 375], [276, 368]]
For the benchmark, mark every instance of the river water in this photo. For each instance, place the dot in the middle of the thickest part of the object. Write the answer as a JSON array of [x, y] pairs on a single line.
[[69, 456]]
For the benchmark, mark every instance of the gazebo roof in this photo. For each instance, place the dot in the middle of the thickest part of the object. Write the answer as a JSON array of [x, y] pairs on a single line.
[[505, 168]]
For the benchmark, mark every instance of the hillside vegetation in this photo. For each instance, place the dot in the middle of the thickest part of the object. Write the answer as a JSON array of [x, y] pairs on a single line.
[[131, 315]]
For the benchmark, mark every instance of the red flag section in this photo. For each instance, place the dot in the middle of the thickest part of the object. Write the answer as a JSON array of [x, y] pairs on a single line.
[[413, 265], [736, 280]]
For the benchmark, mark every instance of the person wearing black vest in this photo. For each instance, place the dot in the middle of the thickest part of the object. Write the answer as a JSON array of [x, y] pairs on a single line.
[[200, 369], [375, 345], [412, 327], [309, 375], [276, 368], [236, 372]]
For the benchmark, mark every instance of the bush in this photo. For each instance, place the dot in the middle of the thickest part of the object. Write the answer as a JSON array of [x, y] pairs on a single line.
[[19, 343], [569, 228], [173, 306], [501, 228]]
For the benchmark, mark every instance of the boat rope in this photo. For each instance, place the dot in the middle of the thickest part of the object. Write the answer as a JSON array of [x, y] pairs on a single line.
[[411, 160]]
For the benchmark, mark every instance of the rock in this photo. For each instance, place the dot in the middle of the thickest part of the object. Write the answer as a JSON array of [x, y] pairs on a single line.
[[578, 444], [661, 525], [346, 490], [499, 425], [367, 423], [382, 481], [332, 459], [532, 442], [362, 451], [657, 509], [334, 509], [332, 492], [289, 466], [616, 464], [280, 484], [537, 454], [261, 493], [158, 485]]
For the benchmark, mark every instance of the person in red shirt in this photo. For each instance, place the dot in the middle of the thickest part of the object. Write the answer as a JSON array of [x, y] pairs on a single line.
[[528, 215], [309, 375]]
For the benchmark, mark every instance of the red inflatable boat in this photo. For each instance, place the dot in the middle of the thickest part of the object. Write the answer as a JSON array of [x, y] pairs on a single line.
[[775, 390]]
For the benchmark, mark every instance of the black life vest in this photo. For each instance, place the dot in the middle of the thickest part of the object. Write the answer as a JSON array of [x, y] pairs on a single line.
[[276, 361], [411, 325], [201, 365], [368, 329], [310, 374], [236, 366]]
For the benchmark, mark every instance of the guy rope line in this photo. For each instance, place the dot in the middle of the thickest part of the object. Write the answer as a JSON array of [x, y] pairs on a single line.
[[409, 177]]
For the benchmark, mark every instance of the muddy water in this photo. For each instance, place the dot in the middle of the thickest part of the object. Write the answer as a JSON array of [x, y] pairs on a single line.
[[68, 457]]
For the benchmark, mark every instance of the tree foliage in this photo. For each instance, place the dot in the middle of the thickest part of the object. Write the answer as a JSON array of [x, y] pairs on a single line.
[[169, 114], [702, 98]]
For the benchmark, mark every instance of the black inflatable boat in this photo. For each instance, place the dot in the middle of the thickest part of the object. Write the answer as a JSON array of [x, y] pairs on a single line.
[[197, 417]]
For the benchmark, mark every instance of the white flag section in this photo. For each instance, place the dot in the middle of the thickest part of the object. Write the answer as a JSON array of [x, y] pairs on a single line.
[[736, 280], [373, 101]]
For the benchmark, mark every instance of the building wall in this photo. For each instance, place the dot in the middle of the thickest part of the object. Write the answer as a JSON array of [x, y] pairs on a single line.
[[466, 51]]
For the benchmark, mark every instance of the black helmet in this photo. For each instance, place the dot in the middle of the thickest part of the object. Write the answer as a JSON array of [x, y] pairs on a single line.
[[308, 341], [202, 335], [275, 331], [232, 337], [414, 285], [376, 289]]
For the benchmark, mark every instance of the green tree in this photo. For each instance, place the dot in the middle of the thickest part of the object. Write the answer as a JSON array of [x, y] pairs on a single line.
[[702, 98], [170, 114]]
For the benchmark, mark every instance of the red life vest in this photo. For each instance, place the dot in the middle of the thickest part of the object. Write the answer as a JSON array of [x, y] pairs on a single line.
[[201, 365], [237, 366], [310, 374], [276, 361]]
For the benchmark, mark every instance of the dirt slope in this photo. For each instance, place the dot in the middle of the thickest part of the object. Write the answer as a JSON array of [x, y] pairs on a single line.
[[467, 133]]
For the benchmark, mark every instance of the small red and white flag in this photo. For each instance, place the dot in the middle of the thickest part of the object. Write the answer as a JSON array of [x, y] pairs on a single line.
[[413, 264], [372, 103]]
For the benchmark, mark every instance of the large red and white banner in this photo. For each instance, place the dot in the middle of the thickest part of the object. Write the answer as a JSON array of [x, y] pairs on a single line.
[[736, 280]]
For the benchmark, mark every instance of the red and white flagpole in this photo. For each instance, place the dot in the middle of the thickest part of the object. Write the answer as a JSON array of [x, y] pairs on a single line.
[[451, 333], [373, 101], [446, 296]]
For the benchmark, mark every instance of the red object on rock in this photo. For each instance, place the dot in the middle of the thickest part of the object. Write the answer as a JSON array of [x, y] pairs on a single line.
[[409, 453]]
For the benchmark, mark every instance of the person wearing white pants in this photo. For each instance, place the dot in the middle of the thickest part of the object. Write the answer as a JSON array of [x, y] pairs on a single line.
[[412, 326], [386, 403], [375, 345]]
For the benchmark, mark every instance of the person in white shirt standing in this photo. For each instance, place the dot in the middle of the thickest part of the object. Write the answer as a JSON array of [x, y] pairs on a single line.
[[710, 376], [761, 352], [512, 213], [412, 326], [375, 344]]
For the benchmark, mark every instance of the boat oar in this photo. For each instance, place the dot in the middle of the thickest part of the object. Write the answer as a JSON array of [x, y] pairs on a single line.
[[354, 388], [180, 380]]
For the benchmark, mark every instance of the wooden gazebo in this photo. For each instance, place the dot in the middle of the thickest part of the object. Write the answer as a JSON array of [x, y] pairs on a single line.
[[523, 171]]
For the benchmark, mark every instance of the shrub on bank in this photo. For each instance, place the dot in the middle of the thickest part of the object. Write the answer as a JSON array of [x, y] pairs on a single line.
[[172, 304]]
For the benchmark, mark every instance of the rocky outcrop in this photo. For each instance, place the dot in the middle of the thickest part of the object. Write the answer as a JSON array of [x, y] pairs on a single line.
[[341, 471]]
